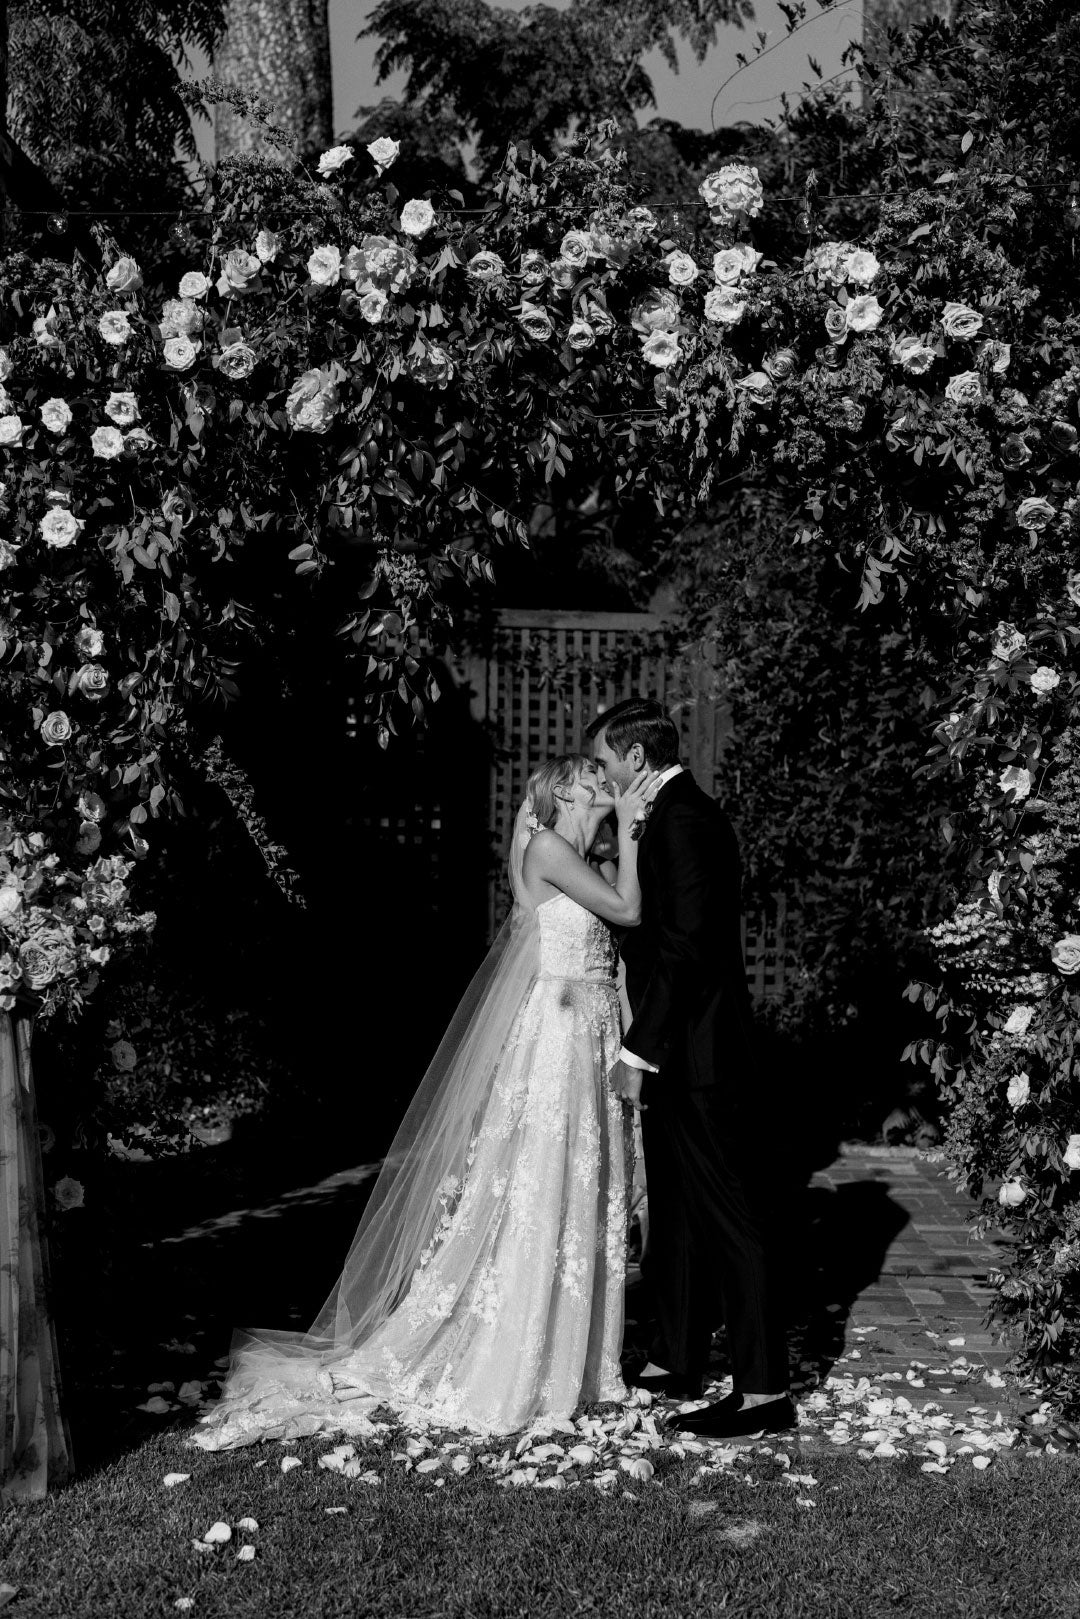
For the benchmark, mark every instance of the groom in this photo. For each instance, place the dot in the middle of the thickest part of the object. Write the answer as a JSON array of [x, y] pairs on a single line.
[[687, 1061]]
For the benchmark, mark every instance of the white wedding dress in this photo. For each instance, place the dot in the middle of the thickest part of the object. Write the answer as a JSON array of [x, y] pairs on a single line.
[[511, 1311]]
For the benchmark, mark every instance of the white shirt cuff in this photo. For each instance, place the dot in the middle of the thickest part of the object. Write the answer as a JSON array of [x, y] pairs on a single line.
[[633, 1061]]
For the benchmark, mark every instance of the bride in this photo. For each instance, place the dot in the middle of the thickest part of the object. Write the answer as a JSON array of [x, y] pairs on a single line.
[[484, 1287]]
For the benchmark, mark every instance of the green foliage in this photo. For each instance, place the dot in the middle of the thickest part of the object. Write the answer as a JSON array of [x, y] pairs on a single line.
[[96, 94], [370, 400], [496, 76]]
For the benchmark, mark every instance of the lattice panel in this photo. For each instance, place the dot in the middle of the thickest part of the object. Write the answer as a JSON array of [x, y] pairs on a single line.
[[538, 687]]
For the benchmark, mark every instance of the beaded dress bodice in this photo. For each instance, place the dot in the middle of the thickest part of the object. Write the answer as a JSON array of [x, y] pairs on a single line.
[[574, 943]]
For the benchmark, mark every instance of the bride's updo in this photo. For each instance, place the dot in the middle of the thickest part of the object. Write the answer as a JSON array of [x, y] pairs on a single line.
[[545, 782]]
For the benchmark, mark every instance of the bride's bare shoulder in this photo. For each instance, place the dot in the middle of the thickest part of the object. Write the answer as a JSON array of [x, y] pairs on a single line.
[[544, 851]]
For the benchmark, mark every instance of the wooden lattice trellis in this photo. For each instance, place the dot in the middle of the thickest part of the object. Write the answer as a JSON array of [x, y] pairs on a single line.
[[538, 683]]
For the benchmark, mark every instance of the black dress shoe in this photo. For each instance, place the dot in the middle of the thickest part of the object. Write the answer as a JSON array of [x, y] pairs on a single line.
[[668, 1385], [730, 1419]]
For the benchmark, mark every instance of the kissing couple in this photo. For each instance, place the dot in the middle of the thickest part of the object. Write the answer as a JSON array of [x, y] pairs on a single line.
[[484, 1289]]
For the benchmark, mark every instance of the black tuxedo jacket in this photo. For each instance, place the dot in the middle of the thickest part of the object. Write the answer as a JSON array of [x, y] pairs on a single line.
[[685, 976]]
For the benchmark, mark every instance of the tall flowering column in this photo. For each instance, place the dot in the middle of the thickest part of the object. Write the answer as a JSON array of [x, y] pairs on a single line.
[[34, 1448]]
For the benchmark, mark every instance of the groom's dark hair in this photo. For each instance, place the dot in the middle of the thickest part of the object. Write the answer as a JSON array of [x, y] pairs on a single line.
[[639, 720]]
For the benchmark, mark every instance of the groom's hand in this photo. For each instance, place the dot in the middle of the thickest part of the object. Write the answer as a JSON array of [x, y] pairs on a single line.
[[626, 1082]]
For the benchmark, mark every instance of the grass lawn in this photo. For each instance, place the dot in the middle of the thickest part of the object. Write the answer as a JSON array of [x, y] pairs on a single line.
[[882, 1537]]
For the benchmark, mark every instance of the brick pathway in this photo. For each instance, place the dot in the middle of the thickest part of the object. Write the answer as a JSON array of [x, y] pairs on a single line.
[[927, 1302]]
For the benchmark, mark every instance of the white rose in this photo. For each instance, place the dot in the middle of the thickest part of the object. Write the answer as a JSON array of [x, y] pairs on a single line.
[[114, 327], [10, 901], [56, 729], [180, 317], [335, 158], [1066, 954], [124, 276], [1044, 679], [658, 312], [267, 246], [912, 353], [122, 408], [91, 680], [180, 353], [1017, 780], [829, 261], [681, 269], [965, 388], [1012, 1194], [108, 442], [1034, 513], [239, 271], [12, 429], [56, 415], [1018, 1090], [1072, 588], [575, 248], [533, 320], [863, 313], [724, 306], [236, 361], [732, 190], [324, 266], [1018, 1020], [383, 152], [732, 263], [194, 284], [373, 305], [861, 267], [60, 528], [960, 320], [6, 367], [485, 266], [661, 349], [8, 555], [581, 336], [1071, 1155], [417, 217]]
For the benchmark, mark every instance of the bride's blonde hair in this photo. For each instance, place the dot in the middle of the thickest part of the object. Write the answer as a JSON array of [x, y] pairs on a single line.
[[543, 787]]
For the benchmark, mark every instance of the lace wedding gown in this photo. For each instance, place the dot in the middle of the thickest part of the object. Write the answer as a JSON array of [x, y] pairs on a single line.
[[514, 1310]]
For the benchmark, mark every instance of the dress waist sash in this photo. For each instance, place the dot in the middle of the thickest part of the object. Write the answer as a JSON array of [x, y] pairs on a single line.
[[599, 977]]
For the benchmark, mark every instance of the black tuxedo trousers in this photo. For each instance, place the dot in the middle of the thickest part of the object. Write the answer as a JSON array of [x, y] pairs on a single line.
[[706, 1260]]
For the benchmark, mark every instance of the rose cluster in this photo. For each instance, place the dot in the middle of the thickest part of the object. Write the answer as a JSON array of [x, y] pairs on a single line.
[[58, 926]]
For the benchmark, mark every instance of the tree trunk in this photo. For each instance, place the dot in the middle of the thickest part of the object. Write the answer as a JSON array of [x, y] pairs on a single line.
[[279, 50]]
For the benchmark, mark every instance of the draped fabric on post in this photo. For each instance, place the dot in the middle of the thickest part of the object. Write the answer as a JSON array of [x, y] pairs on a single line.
[[34, 1449]]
